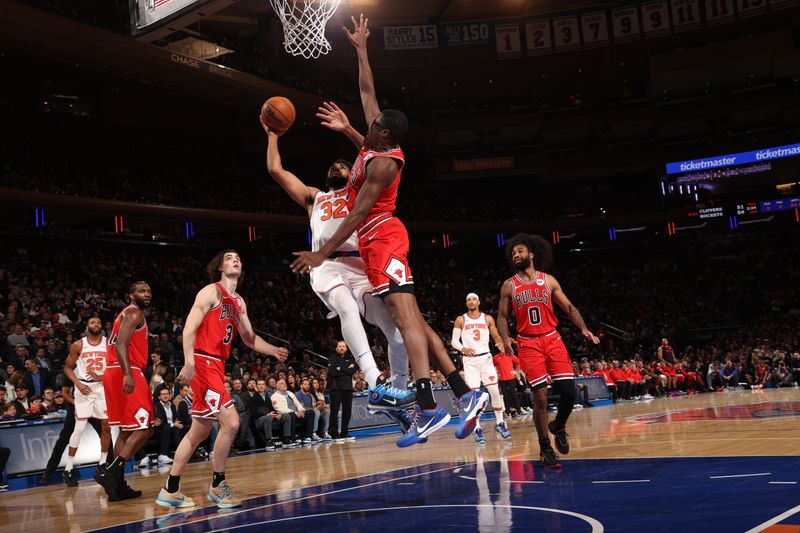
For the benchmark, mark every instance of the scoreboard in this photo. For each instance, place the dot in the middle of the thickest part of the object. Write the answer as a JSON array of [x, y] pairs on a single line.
[[147, 15]]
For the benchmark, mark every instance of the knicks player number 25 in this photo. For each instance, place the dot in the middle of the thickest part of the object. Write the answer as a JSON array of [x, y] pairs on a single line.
[[534, 315], [336, 209]]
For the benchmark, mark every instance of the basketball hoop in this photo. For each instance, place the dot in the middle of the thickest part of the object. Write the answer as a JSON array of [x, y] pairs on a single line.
[[304, 25]]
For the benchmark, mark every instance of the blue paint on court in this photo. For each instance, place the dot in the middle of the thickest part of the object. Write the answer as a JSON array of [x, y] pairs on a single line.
[[664, 494]]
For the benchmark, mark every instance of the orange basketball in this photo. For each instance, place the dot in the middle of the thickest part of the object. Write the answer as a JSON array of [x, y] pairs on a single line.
[[278, 113]]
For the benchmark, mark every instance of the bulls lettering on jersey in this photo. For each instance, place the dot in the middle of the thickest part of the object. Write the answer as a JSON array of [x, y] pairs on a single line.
[[219, 326], [137, 347], [327, 214], [387, 199], [533, 305], [92, 359]]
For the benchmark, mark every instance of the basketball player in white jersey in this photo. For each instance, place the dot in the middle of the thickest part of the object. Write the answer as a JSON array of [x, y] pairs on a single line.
[[471, 332], [85, 367], [342, 284]]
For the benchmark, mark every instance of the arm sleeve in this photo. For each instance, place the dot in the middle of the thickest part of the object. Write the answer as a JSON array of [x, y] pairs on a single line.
[[455, 340]]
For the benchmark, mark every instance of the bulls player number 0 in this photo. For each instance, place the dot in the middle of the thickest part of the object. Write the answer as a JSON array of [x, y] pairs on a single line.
[[534, 316]]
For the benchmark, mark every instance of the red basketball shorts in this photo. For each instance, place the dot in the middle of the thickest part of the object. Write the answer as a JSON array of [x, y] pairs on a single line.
[[128, 411], [208, 386], [383, 245], [544, 356]]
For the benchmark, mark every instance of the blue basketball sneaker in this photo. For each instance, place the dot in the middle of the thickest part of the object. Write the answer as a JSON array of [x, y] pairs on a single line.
[[479, 437], [425, 422], [384, 397], [503, 430], [470, 407]]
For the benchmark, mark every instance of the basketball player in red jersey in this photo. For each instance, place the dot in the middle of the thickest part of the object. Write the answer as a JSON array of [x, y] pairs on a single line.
[[531, 293], [383, 245], [218, 314], [130, 404]]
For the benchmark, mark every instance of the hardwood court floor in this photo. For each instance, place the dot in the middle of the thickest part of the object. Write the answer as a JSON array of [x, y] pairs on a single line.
[[742, 423]]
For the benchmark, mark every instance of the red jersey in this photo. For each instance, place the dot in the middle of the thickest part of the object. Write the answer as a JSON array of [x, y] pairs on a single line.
[[385, 204], [219, 326], [137, 347], [533, 305]]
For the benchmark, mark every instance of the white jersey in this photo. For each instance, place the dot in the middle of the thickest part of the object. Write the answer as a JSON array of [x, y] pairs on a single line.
[[475, 334], [92, 359], [327, 214]]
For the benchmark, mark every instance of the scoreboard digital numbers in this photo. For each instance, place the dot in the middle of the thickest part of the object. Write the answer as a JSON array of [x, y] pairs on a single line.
[[747, 208], [783, 204]]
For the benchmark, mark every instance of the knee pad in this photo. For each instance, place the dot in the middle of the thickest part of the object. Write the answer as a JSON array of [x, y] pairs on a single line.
[[496, 397], [75, 438]]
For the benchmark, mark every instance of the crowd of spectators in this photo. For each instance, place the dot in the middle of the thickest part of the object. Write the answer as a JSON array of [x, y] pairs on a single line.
[[730, 317]]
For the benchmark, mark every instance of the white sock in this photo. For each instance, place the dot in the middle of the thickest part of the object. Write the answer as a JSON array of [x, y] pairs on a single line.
[[498, 414], [103, 457], [346, 307], [70, 461]]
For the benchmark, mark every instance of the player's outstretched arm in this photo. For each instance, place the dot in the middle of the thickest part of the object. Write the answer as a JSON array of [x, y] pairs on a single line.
[[69, 365], [498, 339], [131, 319], [382, 172], [208, 297], [503, 309], [297, 190], [254, 341], [366, 83], [335, 119], [572, 311]]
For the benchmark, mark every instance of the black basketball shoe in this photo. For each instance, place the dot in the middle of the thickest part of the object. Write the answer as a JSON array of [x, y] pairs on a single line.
[[562, 444], [549, 458]]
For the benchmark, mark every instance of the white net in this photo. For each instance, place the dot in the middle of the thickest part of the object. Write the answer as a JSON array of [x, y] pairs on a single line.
[[304, 25]]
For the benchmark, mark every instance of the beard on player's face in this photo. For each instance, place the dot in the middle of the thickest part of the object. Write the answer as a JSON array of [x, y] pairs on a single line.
[[335, 181], [94, 330], [522, 263]]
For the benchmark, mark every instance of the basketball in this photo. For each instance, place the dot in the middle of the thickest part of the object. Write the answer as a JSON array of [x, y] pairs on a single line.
[[278, 114]]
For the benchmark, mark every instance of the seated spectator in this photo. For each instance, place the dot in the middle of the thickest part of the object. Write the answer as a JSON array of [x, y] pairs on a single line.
[[285, 402], [729, 374], [309, 402], [157, 378], [782, 376], [35, 410], [268, 420], [714, 378], [23, 401], [322, 406], [167, 426], [48, 397], [763, 375], [37, 379], [15, 379], [10, 412], [620, 379], [58, 403]]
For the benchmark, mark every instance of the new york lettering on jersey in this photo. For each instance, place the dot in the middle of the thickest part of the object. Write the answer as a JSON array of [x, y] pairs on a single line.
[[475, 334], [137, 347], [92, 359], [385, 204], [327, 214], [219, 326], [533, 306]]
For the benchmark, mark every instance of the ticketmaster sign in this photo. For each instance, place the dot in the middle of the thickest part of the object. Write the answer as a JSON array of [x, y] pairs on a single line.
[[729, 160]]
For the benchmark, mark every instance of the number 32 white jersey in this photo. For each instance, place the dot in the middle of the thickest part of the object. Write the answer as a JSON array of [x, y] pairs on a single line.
[[327, 214], [92, 359]]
